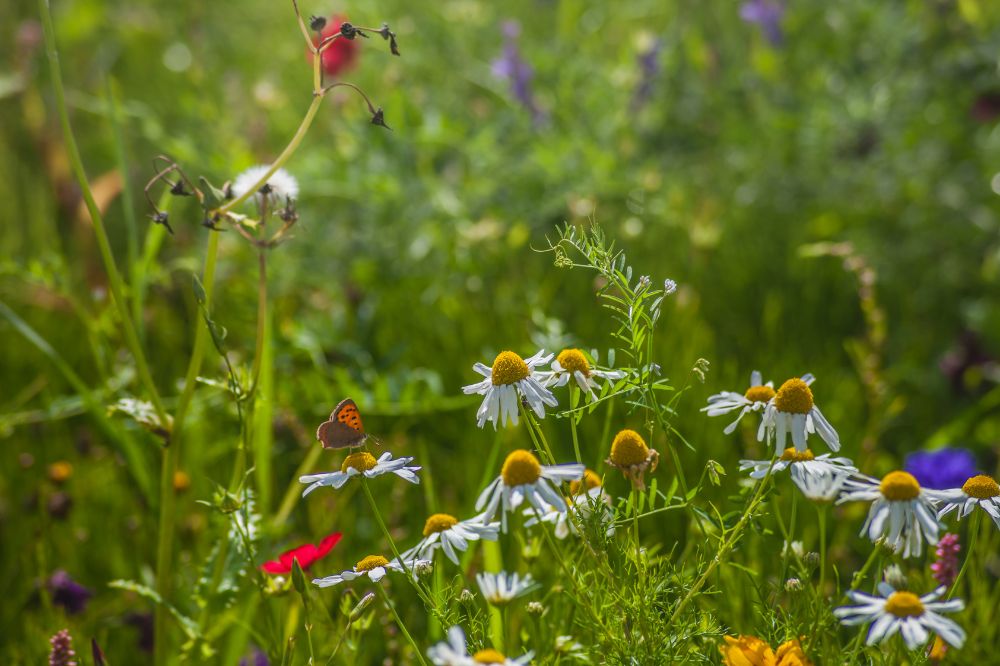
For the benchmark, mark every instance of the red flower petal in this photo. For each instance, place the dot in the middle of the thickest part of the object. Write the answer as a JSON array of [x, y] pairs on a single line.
[[306, 554]]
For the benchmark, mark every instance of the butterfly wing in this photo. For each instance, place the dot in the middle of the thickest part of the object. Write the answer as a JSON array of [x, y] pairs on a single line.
[[344, 429]]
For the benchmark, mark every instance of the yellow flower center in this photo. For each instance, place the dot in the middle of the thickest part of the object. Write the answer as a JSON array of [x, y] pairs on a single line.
[[520, 468], [794, 455], [60, 472], [899, 486], [370, 562], [182, 481], [509, 368], [794, 397], [361, 461], [759, 393], [981, 487], [628, 449], [573, 360], [904, 604], [489, 656], [589, 481], [439, 522]]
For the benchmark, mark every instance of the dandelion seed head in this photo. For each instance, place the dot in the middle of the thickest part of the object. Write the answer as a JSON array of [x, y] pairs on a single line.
[[573, 360], [794, 455], [899, 486], [488, 657], [759, 394], [589, 481], [981, 487], [904, 604], [362, 461], [628, 448], [370, 562], [794, 397], [509, 368], [520, 468], [439, 522]]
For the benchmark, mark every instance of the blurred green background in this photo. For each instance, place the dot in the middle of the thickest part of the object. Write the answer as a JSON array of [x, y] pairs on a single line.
[[714, 155]]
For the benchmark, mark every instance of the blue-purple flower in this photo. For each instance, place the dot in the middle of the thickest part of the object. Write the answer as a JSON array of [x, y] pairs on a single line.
[[767, 14], [67, 593], [512, 67], [649, 69], [942, 468]]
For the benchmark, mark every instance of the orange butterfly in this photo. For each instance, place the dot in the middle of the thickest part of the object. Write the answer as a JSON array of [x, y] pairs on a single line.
[[344, 429]]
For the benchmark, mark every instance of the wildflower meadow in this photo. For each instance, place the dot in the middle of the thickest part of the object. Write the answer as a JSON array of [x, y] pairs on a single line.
[[540, 332]]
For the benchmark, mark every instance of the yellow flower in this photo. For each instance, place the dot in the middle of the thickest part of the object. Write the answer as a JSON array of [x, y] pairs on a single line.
[[751, 651], [746, 651]]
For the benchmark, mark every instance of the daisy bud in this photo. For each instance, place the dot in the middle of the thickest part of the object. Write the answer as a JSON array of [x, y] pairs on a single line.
[[894, 575], [466, 596], [423, 568], [361, 606], [811, 559], [793, 585]]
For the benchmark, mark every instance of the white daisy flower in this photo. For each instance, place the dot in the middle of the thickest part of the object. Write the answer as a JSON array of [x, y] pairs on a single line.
[[901, 510], [374, 567], [818, 477], [981, 490], [588, 496], [755, 399], [279, 189], [510, 377], [521, 478], [449, 534], [454, 652], [916, 618], [362, 463], [502, 588], [792, 411], [572, 364]]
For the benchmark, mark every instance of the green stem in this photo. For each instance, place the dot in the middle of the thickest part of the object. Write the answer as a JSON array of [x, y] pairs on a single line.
[[860, 575], [973, 537], [821, 510], [258, 354], [402, 627], [574, 398], [107, 257], [727, 545], [171, 456]]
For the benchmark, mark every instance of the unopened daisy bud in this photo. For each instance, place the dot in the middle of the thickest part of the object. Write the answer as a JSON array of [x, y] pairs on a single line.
[[894, 575], [466, 596], [423, 568], [632, 457], [793, 585], [534, 608], [361, 607], [811, 559]]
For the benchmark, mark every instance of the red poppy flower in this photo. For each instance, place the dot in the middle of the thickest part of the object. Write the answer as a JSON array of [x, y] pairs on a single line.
[[306, 555], [339, 55]]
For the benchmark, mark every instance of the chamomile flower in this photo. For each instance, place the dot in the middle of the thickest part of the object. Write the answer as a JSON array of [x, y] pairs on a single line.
[[572, 364], [792, 411], [364, 464], [454, 652], [981, 490], [754, 399], [521, 478], [502, 588], [374, 567], [510, 377], [446, 532], [818, 477], [916, 618], [901, 510], [632, 457], [280, 189]]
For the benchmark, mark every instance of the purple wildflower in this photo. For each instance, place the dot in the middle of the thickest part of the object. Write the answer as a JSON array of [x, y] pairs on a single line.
[[67, 593], [62, 649], [945, 566], [511, 66], [257, 658], [649, 69], [767, 14], [942, 468]]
